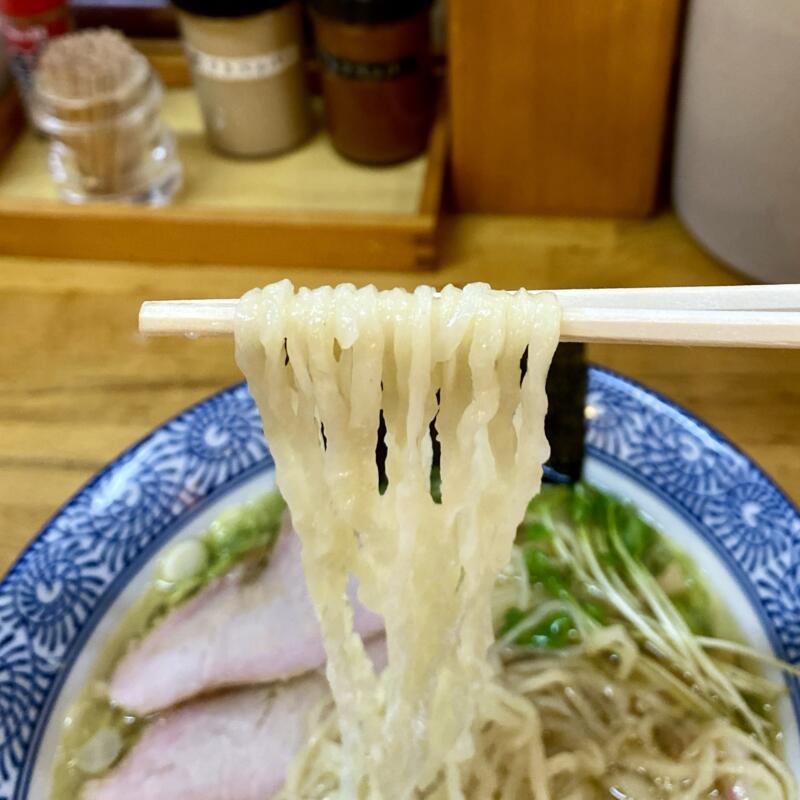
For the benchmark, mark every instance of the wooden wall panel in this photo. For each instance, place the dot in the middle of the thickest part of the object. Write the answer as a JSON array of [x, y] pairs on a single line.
[[559, 106]]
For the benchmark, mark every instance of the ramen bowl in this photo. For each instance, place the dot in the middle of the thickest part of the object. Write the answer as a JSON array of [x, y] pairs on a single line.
[[71, 586]]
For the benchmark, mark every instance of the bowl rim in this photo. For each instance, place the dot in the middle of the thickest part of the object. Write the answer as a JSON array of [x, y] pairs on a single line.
[[712, 430]]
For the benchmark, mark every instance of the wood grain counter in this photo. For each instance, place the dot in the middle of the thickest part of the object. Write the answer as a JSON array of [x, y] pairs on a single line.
[[77, 383]]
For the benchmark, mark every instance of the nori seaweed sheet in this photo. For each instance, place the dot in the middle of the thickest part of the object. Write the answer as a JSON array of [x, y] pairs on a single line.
[[564, 424]]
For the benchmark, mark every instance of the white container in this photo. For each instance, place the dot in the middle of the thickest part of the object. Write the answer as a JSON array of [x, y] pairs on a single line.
[[736, 175]]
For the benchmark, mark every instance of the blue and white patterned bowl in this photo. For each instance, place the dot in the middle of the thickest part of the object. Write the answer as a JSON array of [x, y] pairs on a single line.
[[70, 586]]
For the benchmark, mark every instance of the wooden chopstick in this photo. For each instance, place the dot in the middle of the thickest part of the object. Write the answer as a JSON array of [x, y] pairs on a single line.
[[775, 297], [733, 316], [682, 327]]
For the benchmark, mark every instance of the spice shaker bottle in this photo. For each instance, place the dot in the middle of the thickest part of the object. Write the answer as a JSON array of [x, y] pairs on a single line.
[[26, 27], [376, 76], [247, 66], [5, 70]]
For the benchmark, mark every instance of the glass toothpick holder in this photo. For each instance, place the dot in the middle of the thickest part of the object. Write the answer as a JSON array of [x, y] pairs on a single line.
[[107, 139]]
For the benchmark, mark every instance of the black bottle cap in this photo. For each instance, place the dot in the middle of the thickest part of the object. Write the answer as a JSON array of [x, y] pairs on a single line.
[[369, 12], [227, 8]]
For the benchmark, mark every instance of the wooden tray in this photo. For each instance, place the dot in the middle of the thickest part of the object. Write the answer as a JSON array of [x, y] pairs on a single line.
[[308, 208]]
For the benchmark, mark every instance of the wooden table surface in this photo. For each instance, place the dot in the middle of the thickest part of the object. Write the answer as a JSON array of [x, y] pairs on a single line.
[[77, 383]]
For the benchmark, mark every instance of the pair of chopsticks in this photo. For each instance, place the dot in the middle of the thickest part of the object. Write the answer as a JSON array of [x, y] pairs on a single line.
[[719, 316]]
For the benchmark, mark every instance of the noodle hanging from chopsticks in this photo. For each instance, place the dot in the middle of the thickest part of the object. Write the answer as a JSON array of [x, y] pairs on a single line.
[[323, 365]]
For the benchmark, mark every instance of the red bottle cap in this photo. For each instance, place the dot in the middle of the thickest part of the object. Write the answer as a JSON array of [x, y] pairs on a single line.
[[29, 8]]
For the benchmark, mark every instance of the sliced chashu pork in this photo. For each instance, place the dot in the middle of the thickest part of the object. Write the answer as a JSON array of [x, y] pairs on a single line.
[[235, 632], [234, 746]]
